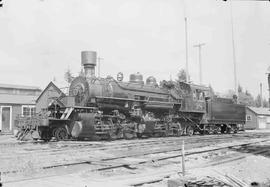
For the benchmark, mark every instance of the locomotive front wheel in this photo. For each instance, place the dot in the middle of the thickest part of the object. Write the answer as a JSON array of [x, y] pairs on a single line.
[[229, 130], [128, 134], [53, 132], [180, 132], [139, 135], [235, 130], [61, 134], [112, 135], [190, 130]]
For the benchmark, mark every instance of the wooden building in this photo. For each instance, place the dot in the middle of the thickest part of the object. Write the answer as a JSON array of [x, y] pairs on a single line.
[[257, 118], [16, 100], [48, 95]]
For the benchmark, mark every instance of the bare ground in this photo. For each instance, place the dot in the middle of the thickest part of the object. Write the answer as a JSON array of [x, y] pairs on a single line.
[[148, 162]]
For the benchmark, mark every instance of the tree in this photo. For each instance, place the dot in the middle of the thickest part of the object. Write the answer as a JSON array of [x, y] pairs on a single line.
[[246, 98], [243, 97], [240, 88], [68, 76], [247, 93], [81, 73], [229, 93], [258, 101], [265, 103], [182, 76]]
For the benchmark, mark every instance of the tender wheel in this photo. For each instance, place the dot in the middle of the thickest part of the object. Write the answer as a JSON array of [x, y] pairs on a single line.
[[229, 130], [235, 131], [223, 129], [61, 134], [211, 129], [190, 130], [217, 130]]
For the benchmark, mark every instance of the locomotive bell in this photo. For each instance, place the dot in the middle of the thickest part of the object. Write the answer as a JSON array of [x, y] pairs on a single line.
[[151, 81], [89, 61]]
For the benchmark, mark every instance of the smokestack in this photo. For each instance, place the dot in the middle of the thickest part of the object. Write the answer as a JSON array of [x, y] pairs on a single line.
[[89, 61]]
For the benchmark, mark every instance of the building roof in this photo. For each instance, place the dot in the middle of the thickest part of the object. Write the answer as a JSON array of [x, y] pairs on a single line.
[[19, 87], [17, 99], [51, 84], [260, 111]]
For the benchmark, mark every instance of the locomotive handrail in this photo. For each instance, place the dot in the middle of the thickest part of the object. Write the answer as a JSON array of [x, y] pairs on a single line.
[[80, 107], [127, 99], [165, 92]]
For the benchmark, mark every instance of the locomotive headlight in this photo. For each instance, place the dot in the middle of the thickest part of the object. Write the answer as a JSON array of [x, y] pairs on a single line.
[[78, 90], [120, 76]]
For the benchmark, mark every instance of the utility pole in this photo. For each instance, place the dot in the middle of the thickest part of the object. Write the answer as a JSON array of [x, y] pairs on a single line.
[[99, 59], [200, 59], [261, 101], [268, 78], [186, 33], [233, 50]]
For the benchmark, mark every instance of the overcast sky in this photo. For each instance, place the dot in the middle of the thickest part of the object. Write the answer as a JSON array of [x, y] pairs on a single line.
[[41, 39]]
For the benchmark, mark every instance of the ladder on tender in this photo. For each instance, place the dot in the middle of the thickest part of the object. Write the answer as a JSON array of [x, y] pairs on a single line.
[[67, 113]]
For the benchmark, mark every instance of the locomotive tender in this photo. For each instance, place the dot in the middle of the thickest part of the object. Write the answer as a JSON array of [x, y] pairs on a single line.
[[110, 109]]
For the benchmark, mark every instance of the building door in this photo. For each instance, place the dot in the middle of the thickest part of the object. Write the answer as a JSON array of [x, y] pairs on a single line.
[[5, 122], [262, 122]]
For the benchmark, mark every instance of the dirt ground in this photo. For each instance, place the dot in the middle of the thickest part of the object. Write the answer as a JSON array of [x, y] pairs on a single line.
[[220, 167]]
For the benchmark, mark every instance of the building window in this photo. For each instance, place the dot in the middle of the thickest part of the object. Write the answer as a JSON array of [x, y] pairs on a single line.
[[28, 110], [248, 118]]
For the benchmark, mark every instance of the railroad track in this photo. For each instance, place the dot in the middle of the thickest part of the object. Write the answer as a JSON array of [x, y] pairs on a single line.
[[115, 165], [143, 147], [167, 145], [62, 147], [227, 159]]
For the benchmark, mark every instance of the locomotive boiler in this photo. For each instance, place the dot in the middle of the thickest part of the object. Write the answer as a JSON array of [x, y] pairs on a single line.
[[109, 109]]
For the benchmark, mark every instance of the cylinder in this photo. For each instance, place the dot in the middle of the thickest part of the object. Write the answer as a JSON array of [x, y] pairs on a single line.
[[89, 61]]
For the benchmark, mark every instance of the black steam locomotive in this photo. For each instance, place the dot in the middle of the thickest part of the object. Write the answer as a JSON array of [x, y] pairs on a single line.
[[105, 108]]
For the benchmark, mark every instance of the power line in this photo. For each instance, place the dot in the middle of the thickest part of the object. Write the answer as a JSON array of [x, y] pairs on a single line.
[[248, 0], [186, 34]]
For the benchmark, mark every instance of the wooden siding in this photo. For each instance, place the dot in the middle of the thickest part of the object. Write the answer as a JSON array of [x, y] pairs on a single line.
[[46, 98]]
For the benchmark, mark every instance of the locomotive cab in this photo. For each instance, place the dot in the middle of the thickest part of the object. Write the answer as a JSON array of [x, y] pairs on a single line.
[[195, 97]]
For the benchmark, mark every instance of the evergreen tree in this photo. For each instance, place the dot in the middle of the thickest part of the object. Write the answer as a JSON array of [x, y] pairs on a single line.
[[182, 76], [68, 76]]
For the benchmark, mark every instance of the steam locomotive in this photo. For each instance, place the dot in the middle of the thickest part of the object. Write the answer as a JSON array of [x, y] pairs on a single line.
[[105, 108]]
